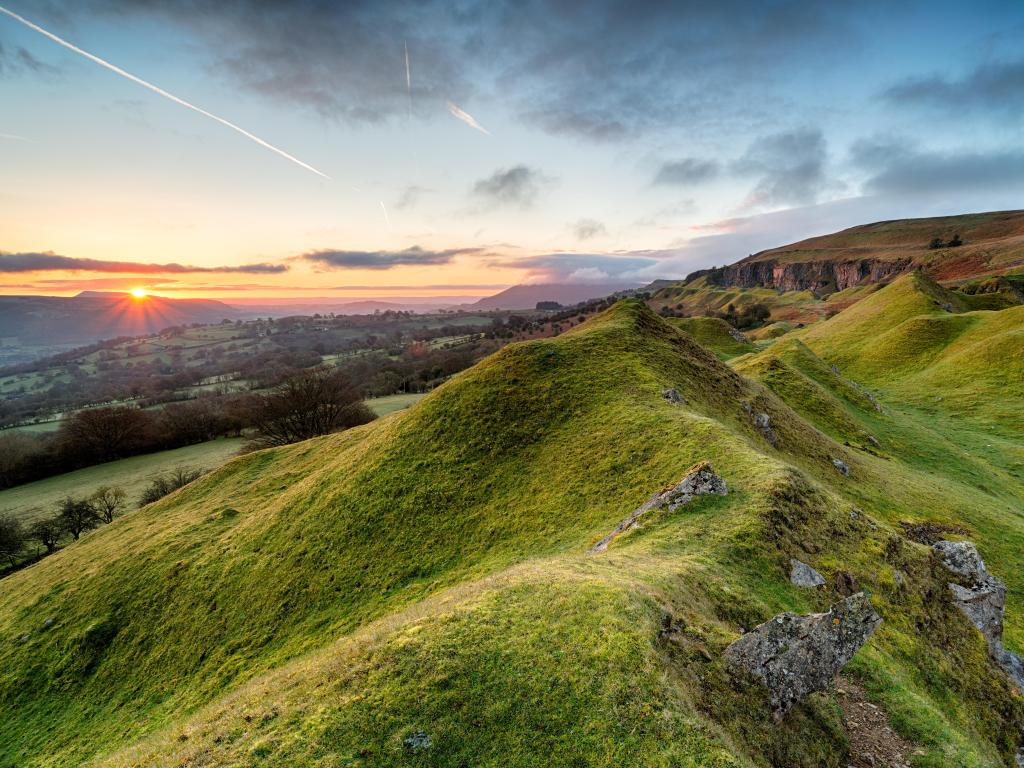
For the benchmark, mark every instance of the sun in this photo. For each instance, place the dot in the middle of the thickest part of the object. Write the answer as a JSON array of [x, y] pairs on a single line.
[[138, 293]]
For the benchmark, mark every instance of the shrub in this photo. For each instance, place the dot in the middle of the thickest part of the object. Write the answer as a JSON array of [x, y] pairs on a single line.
[[12, 539], [165, 484]]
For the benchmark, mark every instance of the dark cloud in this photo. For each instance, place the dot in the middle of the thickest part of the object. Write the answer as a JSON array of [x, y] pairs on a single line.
[[687, 171], [791, 167], [605, 70], [898, 166], [995, 87], [516, 186], [17, 61], [584, 229], [50, 262], [415, 256]]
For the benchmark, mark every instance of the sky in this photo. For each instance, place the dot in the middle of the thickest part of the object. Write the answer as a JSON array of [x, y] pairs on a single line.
[[358, 149]]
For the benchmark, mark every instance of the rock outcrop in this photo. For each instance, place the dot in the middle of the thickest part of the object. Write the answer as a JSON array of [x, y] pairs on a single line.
[[841, 466], [700, 480], [981, 597], [794, 656], [802, 575], [673, 396], [817, 276]]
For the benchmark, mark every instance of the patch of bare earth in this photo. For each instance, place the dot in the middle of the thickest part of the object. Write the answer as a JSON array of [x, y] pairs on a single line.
[[873, 742]]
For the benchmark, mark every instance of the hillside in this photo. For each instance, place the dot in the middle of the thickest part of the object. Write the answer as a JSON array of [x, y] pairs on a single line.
[[57, 321], [993, 244], [418, 591], [566, 294]]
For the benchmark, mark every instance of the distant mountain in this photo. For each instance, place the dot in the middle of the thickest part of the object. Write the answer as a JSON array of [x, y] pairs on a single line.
[[527, 296], [948, 248], [44, 321], [274, 307]]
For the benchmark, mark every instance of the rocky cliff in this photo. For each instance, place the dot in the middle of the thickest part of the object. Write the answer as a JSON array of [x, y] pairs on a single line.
[[817, 276]]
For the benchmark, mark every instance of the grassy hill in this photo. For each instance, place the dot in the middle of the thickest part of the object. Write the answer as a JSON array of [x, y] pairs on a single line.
[[993, 244], [418, 591]]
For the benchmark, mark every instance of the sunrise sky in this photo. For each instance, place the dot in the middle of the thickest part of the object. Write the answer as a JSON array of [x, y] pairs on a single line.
[[621, 141]]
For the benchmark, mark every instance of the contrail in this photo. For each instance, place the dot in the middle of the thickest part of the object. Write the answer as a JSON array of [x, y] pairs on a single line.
[[386, 217], [158, 90], [408, 77], [14, 137], [467, 118]]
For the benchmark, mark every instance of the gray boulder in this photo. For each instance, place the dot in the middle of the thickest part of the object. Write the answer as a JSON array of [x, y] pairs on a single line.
[[736, 334], [764, 423], [840, 465], [700, 480], [802, 575], [673, 396], [794, 656], [981, 597]]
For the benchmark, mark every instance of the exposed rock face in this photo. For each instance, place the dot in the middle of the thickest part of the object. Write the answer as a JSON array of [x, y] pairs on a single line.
[[802, 575], [841, 466], [817, 276], [700, 480], [795, 656], [981, 597]]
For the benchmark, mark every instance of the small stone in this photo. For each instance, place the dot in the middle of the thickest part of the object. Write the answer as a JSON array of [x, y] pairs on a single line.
[[803, 575], [418, 741], [763, 422], [673, 396], [25, 638], [835, 369], [840, 465], [48, 622]]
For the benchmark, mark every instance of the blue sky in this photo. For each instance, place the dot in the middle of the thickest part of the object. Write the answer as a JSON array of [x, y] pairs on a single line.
[[627, 141]]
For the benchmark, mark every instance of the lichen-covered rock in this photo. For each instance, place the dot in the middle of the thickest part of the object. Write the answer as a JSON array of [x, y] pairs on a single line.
[[764, 423], [736, 335], [840, 465], [700, 480], [802, 575], [673, 396], [795, 655], [981, 597]]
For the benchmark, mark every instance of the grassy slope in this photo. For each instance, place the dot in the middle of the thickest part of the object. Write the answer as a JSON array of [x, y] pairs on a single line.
[[428, 572], [713, 333], [34, 500]]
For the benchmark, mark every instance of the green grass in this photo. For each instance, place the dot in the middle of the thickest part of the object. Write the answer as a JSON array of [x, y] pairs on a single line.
[[317, 604], [382, 406], [39, 499]]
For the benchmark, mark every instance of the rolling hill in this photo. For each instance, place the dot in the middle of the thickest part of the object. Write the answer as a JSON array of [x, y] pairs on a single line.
[[526, 296], [46, 321], [419, 591]]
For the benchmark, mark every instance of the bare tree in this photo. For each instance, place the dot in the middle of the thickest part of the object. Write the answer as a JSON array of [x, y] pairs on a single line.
[[12, 539], [106, 433], [309, 403], [108, 501], [77, 516], [47, 532]]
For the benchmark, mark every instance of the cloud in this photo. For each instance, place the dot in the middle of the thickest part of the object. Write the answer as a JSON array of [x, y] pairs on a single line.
[[688, 171], [49, 262], [898, 166], [790, 167], [580, 267], [410, 197], [585, 229], [516, 186], [414, 256], [19, 61], [993, 87], [607, 73]]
